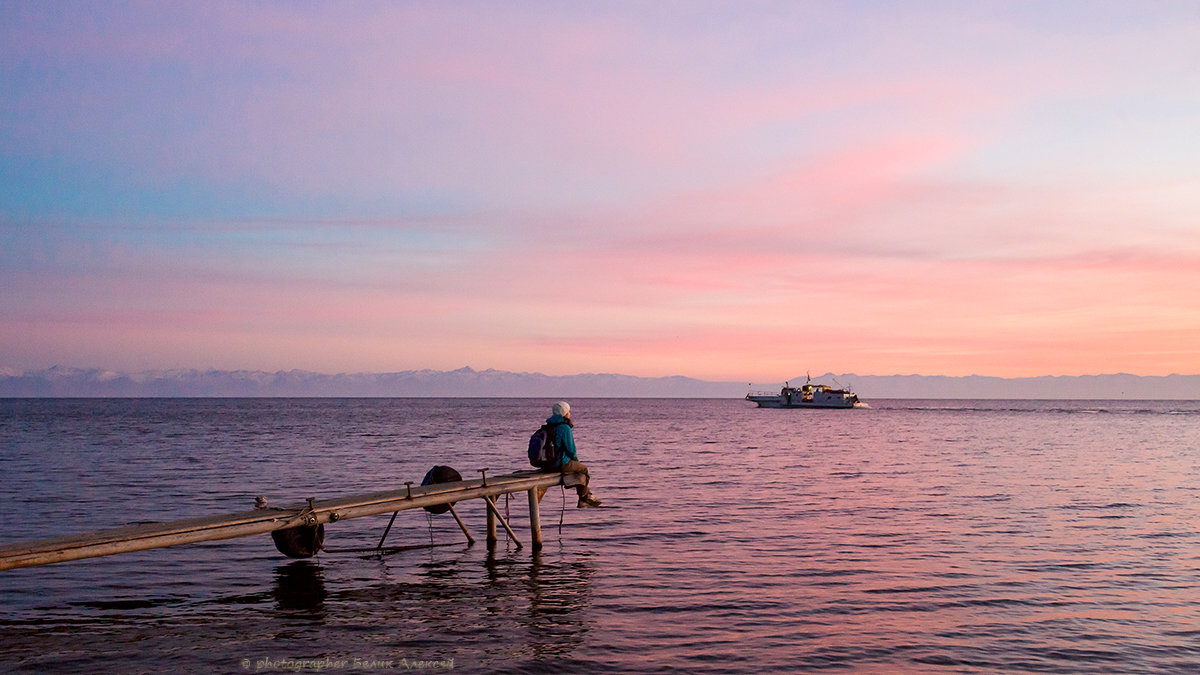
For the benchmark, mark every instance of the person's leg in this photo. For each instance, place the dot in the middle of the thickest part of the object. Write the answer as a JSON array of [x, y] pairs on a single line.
[[576, 466], [585, 495]]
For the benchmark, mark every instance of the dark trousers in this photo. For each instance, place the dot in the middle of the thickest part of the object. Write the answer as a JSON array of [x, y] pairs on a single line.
[[572, 466], [576, 466]]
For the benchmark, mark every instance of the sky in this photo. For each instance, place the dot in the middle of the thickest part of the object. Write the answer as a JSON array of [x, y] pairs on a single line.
[[737, 191]]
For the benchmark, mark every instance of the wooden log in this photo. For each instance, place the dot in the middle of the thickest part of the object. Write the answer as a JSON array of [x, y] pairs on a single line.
[[535, 520], [262, 521]]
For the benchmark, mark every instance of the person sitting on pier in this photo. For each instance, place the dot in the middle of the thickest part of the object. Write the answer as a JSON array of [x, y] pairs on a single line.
[[568, 458]]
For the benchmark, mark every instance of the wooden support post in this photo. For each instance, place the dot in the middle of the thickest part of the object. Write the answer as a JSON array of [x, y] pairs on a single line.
[[535, 520], [387, 529], [496, 514], [491, 526], [470, 539]]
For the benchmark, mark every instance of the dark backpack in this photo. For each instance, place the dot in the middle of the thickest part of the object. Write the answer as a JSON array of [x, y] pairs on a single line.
[[543, 451]]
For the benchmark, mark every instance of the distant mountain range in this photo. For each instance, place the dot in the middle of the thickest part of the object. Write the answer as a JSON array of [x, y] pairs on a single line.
[[467, 382], [464, 382]]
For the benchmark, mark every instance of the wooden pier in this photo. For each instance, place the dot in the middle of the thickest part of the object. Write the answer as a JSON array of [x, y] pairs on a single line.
[[311, 514]]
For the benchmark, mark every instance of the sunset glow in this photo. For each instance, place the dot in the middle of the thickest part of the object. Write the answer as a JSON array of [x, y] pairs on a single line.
[[731, 191]]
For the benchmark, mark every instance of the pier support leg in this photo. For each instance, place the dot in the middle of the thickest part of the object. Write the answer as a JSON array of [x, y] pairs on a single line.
[[470, 539], [495, 513], [491, 526], [388, 529], [535, 521]]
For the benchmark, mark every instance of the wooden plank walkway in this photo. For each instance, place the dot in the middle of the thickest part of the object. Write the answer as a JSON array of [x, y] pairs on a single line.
[[265, 520]]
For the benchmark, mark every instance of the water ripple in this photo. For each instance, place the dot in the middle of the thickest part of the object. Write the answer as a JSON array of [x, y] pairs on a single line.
[[961, 536]]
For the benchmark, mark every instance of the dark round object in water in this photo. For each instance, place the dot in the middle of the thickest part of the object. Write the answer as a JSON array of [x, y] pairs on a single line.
[[440, 474], [302, 541]]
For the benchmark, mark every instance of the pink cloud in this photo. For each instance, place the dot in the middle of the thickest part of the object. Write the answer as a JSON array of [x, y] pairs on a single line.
[[705, 203]]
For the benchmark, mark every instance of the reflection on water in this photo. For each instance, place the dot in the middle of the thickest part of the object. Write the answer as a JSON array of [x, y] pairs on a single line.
[[512, 612], [967, 536], [300, 586], [520, 608], [558, 596]]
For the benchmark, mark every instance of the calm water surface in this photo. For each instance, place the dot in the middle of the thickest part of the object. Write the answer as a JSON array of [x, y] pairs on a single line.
[[915, 536]]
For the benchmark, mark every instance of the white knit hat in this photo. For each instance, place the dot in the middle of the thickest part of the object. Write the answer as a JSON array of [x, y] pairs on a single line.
[[562, 408]]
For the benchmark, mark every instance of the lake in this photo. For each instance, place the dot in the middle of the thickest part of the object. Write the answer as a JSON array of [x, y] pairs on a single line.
[[915, 535]]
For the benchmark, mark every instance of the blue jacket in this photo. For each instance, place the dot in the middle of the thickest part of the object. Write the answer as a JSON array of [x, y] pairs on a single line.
[[564, 438]]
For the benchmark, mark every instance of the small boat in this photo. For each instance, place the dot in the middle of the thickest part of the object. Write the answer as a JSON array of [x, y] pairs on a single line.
[[808, 396]]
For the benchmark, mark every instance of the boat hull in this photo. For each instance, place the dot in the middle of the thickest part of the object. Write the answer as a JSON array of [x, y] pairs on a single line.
[[808, 396], [777, 402]]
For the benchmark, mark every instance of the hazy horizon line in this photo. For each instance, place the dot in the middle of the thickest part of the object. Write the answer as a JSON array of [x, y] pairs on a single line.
[[13, 371]]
